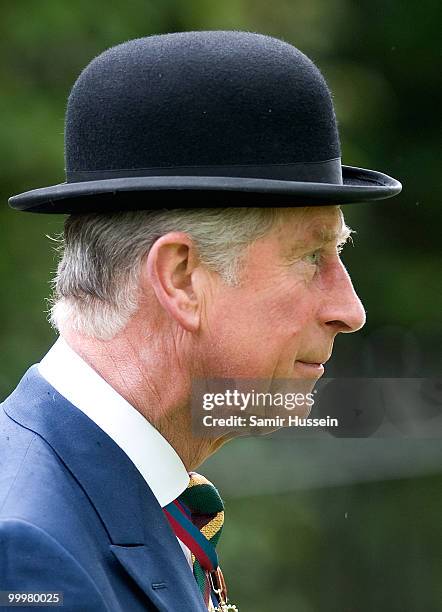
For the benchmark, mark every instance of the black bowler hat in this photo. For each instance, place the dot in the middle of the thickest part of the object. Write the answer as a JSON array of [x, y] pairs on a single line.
[[217, 118]]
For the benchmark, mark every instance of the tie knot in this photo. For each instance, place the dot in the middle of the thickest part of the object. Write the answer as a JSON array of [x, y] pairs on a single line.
[[201, 496]]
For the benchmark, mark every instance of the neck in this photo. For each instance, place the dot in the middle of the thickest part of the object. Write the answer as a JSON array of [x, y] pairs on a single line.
[[143, 375]]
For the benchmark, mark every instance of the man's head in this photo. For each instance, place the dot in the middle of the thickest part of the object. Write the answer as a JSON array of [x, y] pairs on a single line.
[[258, 293], [154, 298]]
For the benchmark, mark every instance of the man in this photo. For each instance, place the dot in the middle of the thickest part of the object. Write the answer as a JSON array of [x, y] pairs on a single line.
[[99, 499]]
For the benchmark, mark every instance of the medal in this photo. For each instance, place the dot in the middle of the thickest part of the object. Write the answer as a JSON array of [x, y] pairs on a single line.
[[226, 607], [218, 585]]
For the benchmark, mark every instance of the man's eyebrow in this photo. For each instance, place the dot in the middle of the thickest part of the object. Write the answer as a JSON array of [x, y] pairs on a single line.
[[319, 237], [326, 235]]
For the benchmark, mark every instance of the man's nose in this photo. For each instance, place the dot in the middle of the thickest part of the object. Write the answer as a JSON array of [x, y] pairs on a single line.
[[343, 310]]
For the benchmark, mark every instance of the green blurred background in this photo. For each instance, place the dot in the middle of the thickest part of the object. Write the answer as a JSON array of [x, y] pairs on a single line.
[[334, 533]]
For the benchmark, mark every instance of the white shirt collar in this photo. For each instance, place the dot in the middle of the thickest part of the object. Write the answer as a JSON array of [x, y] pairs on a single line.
[[153, 456]]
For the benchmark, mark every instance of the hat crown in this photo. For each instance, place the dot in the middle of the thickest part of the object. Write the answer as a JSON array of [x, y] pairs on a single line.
[[199, 99]]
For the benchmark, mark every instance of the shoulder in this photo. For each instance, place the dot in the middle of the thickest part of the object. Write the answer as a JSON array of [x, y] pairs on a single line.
[[47, 525], [35, 482], [38, 490]]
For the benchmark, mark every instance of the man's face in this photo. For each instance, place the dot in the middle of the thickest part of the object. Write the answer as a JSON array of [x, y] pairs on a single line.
[[294, 297]]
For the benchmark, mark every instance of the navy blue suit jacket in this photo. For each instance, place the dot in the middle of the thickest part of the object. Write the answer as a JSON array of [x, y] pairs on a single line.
[[76, 515]]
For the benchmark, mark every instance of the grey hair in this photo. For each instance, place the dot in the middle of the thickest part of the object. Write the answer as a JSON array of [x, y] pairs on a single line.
[[95, 289]]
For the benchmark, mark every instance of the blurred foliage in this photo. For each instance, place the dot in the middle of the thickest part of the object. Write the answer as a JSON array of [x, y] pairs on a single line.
[[365, 548], [380, 59]]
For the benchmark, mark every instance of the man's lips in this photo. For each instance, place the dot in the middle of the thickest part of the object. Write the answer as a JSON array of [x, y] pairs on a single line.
[[310, 367], [311, 364], [314, 361]]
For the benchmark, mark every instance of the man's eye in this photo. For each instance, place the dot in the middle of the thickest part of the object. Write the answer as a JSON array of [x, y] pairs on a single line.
[[313, 258]]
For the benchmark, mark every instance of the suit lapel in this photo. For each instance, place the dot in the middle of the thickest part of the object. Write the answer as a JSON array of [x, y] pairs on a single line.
[[140, 536], [169, 584]]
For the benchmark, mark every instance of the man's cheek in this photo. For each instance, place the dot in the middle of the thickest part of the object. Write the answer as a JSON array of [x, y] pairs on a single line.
[[289, 312]]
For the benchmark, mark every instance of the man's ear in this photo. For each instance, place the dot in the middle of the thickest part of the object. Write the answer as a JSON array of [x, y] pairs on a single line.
[[170, 267]]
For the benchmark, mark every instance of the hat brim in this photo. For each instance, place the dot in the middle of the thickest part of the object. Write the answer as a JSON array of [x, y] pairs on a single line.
[[152, 192]]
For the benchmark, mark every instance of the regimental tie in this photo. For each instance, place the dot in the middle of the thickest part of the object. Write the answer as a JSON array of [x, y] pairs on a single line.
[[197, 519]]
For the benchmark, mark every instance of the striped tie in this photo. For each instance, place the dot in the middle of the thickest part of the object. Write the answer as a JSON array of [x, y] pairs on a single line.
[[197, 518]]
